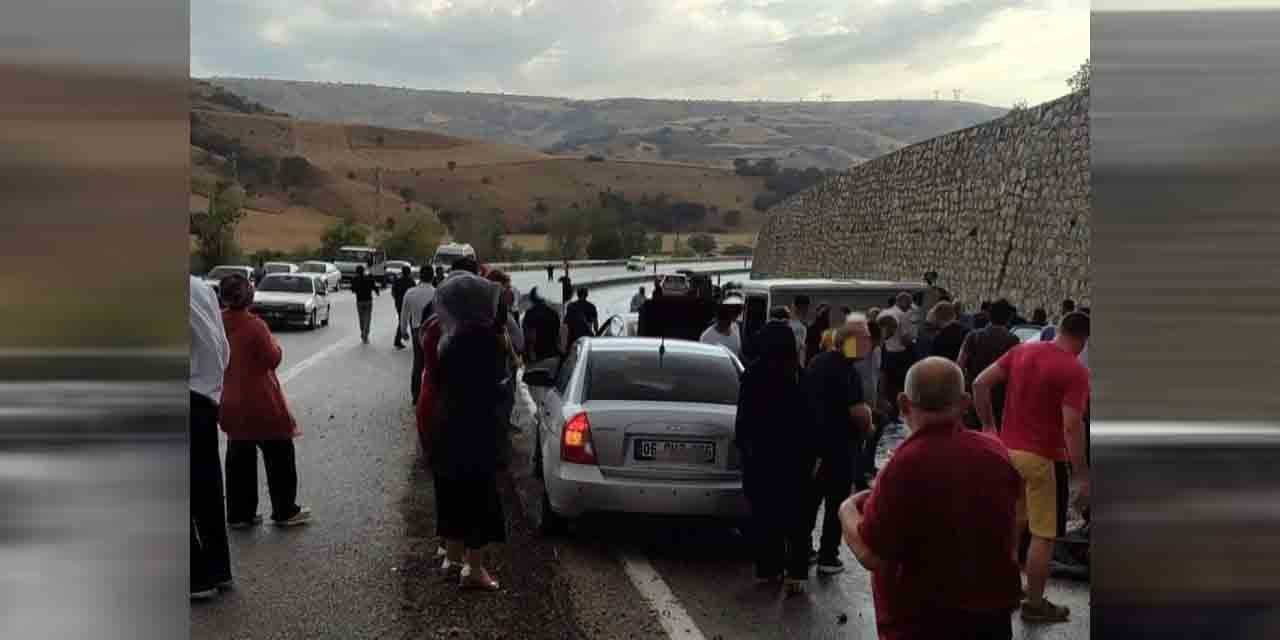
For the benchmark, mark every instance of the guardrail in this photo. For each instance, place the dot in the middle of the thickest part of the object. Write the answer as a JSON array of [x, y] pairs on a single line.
[[543, 264]]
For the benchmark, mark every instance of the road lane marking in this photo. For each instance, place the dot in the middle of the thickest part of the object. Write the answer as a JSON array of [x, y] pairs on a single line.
[[310, 361], [671, 614]]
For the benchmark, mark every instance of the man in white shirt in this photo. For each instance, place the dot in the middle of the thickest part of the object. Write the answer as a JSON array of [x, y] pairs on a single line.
[[210, 353], [412, 314], [799, 316], [725, 330]]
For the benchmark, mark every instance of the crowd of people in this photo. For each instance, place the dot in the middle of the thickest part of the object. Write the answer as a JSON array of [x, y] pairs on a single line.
[[976, 494]]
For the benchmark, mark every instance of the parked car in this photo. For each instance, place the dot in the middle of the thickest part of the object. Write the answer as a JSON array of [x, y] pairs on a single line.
[[325, 271], [674, 284], [293, 299], [638, 425], [215, 275], [279, 267], [636, 263], [393, 270]]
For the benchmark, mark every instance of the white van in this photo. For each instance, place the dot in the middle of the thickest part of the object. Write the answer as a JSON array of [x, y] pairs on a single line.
[[450, 252], [636, 263], [857, 295]]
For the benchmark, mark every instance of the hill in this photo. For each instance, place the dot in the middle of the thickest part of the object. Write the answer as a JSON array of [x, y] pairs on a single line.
[[796, 134]]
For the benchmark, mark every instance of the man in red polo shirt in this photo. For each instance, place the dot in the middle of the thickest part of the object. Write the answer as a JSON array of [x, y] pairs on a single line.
[[935, 532], [1046, 392]]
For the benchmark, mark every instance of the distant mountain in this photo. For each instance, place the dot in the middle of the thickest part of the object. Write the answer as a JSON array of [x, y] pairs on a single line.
[[797, 134]]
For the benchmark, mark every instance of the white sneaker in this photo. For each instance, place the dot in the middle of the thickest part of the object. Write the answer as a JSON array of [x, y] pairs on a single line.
[[206, 594], [301, 517]]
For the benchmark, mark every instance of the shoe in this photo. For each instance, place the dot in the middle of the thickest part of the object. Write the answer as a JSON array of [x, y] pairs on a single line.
[[303, 516], [400, 346], [830, 567], [1044, 612], [469, 582], [204, 594], [225, 585], [257, 520], [796, 586]]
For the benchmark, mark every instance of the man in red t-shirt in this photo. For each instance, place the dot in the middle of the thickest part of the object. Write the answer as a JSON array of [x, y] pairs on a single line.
[[1046, 392], [936, 530]]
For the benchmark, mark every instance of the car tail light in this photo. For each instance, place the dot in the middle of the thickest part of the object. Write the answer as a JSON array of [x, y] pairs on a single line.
[[575, 441]]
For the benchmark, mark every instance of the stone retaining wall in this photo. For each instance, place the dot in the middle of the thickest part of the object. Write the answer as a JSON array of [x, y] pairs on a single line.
[[1000, 209]]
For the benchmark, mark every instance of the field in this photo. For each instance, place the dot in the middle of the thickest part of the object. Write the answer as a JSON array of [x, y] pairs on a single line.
[[288, 230], [533, 242]]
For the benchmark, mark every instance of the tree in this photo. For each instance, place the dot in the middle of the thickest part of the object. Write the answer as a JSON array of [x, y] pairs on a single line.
[[1020, 105], [566, 231], [415, 241], [408, 194], [340, 234], [484, 231], [452, 165], [732, 218], [1079, 81], [215, 228], [295, 171], [447, 217], [765, 200], [702, 243]]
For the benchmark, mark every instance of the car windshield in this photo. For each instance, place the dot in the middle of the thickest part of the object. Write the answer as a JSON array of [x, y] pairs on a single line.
[[278, 268], [219, 273], [679, 377], [313, 267], [355, 256], [288, 284]]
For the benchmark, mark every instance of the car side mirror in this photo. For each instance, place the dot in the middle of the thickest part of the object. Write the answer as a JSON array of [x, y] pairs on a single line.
[[539, 378]]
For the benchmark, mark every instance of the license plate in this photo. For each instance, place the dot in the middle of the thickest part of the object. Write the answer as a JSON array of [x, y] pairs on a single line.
[[675, 451]]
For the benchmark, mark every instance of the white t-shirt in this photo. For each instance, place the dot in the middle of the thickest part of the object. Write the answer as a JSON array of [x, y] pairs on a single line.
[[906, 328], [733, 341], [210, 351], [801, 331]]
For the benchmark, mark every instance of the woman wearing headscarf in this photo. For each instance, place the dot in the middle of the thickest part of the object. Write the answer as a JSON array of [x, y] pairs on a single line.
[[774, 431], [255, 416], [469, 439]]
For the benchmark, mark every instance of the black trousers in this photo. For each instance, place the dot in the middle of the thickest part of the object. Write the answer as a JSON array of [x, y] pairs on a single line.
[[415, 378], [210, 555], [780, 532], [830, 488], [242, 478], [399, 324]]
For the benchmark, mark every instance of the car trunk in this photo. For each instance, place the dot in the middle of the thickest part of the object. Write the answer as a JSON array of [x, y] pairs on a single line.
[[663, 440]]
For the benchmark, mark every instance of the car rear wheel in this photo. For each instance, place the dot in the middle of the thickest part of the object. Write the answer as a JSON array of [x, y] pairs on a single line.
[[328, 312], [311, 322]]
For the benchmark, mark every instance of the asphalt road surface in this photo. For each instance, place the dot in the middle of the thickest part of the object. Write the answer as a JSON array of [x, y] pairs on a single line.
[[364, 567]]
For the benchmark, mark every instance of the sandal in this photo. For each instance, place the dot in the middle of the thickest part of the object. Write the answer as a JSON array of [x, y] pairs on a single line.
[[468, 583]]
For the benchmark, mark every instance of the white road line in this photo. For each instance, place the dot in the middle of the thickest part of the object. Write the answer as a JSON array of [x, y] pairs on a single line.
[[671, 614], [296, 369]]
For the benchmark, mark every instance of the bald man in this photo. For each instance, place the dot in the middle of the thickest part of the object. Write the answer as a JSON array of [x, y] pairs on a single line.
[[933, 530]]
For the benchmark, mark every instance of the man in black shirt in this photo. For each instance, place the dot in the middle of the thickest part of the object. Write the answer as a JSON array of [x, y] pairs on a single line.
[[551, 273], [398, 289], [844, 419], [541, 329], [364, 286], [951, 334], [566, 288], [581, 317]]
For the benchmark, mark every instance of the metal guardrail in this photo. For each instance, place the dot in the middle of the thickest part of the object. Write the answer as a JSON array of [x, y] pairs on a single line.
[[543, 264]]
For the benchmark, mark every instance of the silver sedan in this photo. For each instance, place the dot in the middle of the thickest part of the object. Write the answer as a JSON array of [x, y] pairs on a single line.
[[638, 425]]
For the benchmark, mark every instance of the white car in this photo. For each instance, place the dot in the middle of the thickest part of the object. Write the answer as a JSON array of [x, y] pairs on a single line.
[[279, 267], [292, 299], [394, 269], [215, 275], [325, 271], [636, 263], [623, 427]]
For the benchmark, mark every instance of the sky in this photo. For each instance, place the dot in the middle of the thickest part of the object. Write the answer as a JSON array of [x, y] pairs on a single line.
[[996, 52]]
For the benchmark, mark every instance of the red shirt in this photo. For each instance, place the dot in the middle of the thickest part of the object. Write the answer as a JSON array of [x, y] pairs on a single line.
[[427, 391], [941, 517], [253, 404], [1043, 378]]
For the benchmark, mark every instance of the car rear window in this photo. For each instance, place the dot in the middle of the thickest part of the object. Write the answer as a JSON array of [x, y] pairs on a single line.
[[680, 377]]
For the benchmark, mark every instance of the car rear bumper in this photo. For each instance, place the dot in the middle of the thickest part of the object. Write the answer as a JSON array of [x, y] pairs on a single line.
[[576, 489], [289, 318]]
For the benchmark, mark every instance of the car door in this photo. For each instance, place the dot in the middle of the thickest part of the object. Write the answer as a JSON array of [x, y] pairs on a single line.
[[552, 416]]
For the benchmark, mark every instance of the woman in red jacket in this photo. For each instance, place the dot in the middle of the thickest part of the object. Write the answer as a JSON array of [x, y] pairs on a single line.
[[255, 416]]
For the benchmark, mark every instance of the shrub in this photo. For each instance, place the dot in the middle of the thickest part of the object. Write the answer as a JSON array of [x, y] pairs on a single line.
[[485, 180]]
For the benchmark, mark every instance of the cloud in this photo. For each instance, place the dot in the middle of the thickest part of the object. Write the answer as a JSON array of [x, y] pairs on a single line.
[[703, 49]]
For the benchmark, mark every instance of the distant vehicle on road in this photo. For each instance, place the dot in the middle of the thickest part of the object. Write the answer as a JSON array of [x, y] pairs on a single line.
[[450, 252], [393, 268], [373, 260], [637, 263], [674, 284], [215, 275], [279, 267], [327, 272], [638, 425], [292, 299]]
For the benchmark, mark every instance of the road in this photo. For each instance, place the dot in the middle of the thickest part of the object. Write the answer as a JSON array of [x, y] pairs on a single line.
[[363, 569]]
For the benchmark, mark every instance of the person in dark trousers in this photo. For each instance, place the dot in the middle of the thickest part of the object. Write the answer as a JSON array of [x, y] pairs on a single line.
[[835, 393], [551, 273], [210, 354], [398, 291], [983, 347], [255, 416], [775, 432], [541, 327], [581, 317], [416, 310], [364, 286], [566, 288]]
